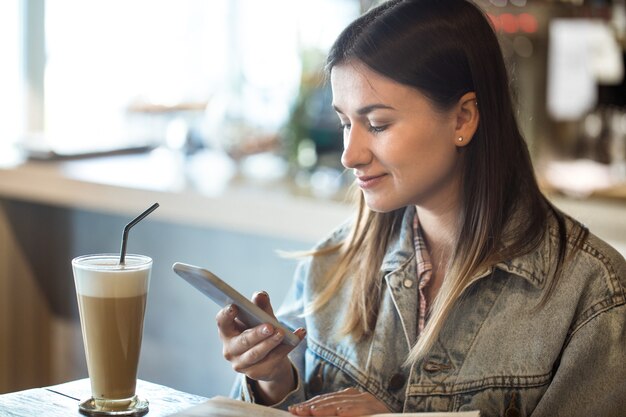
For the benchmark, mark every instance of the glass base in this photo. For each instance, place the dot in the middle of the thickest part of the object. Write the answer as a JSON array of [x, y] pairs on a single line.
[[135, 406]]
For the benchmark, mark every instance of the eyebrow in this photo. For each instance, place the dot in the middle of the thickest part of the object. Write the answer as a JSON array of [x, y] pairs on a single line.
[[367, 109]]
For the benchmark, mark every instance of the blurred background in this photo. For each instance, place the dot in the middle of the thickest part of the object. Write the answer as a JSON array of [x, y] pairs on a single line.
[[219, 110]]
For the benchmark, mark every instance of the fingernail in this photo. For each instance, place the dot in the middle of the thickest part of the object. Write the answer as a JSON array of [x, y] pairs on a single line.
[[266, 330], [266, 294], [230, 309], [278, 336]]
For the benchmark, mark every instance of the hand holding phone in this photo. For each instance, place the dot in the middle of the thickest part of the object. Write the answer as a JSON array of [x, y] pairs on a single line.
[[223, 294]]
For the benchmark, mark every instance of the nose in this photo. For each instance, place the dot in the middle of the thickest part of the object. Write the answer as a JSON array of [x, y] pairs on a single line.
[[356, 150]]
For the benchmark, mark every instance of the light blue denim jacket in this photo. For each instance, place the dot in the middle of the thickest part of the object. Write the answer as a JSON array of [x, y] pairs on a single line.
[[495, 353]]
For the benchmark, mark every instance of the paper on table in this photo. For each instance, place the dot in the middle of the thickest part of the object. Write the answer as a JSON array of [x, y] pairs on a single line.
[[228, 407]]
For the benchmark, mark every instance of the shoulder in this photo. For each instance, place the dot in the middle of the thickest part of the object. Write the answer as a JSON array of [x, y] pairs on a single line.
[[594, 270], [595, 257], [587, 260], [607, 257]]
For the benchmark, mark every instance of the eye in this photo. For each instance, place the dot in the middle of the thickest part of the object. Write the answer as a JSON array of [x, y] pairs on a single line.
[[345, 126], [376, 128]]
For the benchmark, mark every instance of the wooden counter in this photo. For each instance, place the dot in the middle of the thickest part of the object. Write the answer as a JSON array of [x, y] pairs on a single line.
[[202, 190]]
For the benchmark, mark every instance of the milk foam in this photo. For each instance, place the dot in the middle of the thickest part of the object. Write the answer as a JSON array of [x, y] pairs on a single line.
[[103, 277]]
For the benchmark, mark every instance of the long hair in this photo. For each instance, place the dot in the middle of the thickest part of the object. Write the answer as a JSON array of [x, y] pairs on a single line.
[[444, 49]]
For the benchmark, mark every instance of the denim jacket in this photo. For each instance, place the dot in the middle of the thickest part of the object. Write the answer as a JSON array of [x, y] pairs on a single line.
[[496, 353]]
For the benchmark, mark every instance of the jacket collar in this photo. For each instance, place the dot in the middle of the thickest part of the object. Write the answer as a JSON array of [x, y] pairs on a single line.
[[534, 266], [400, 248]]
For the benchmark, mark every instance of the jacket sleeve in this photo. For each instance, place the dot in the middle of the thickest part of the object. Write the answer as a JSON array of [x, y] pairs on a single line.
[[291, 313], [591, 377]]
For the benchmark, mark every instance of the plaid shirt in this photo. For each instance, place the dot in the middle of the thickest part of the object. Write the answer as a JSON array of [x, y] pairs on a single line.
[[424, 272]]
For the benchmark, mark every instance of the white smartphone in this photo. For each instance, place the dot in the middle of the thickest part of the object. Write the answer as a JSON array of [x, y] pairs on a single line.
[[223, 294]]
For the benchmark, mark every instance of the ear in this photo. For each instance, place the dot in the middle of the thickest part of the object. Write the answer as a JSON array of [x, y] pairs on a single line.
[[467, 118]]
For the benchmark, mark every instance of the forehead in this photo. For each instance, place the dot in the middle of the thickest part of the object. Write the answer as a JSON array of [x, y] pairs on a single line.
[[355, 84]]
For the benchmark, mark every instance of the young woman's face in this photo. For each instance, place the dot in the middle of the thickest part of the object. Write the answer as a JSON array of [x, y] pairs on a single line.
[[402, 150]]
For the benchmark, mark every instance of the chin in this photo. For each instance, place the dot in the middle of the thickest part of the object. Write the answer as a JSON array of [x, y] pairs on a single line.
[[381, 206]]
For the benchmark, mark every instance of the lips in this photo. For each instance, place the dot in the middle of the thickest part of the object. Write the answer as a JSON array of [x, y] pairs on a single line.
[[369, 181]]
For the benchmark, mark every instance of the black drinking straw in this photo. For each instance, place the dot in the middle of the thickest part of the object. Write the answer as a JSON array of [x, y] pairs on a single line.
[[131, 224]]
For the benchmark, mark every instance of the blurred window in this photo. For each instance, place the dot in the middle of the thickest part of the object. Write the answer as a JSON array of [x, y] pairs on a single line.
[[112, 67], [10, 86]]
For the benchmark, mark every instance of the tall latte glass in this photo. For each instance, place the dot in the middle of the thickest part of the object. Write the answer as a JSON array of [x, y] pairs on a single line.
[[112, 302]]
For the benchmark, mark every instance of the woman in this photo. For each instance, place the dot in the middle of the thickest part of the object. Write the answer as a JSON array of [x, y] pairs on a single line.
[[458, 286]]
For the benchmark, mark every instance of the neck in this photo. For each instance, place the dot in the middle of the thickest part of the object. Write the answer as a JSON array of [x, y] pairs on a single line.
[[440, 229]]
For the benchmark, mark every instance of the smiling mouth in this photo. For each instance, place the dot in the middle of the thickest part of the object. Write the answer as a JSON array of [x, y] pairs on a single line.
[[369, 181]]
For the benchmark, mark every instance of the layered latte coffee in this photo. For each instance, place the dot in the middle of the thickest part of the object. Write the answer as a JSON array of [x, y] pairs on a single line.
[[112, 303]]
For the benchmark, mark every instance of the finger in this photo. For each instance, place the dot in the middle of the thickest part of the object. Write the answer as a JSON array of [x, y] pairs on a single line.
[[266, 368], [227, 324], [319, 404], [260, 364], [258, 352], [350, 409], [262, 299], [258, 361], [300, 332], [273, 341], [351, 404], [360, 408], [249, 338], [328, 408], [304, 410], [331, 403], [298, 410], [332, 396]]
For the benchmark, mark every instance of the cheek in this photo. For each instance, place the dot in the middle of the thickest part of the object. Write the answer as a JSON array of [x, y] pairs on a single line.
[[423, 160], [427, 150]]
